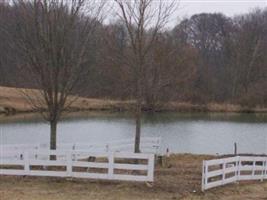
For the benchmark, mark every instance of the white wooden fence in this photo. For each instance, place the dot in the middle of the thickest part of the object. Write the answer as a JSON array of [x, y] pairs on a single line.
[[147, 145], [228, 170], [80, 164]]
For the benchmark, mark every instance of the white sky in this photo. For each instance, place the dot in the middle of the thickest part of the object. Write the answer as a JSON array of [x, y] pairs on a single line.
[[228, 7]]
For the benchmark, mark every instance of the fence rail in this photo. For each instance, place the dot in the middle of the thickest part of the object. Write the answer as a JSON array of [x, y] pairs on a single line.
[[147, 145], [228, 170], [110, 165]]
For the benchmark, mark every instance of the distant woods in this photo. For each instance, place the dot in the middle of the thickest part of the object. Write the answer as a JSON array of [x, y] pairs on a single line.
[[50, 43], [204, 58]]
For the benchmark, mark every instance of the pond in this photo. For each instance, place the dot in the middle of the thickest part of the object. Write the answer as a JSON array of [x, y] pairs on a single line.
[[198, 133]]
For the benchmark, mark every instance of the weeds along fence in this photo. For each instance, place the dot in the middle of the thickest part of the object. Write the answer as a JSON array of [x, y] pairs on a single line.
[[228, 170], [80, 164]]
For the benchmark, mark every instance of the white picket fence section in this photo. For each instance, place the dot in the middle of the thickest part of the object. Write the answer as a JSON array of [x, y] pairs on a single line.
[[228, 170], [147, 145], [109, 165]]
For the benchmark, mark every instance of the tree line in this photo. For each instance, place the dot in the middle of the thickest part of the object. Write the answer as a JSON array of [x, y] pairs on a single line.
[[204, 58], [64, 47]]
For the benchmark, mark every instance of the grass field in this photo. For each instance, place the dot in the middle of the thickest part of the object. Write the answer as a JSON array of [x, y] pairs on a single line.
[[180, 179], [13, 101]]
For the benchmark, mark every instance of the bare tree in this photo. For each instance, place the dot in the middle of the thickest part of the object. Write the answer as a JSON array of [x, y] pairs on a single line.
[[3, 11], [171, 69], [143, 19], [207, 33], [52, 39]]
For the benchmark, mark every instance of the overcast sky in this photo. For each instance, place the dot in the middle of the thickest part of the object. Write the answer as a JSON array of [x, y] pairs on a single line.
[[228, 7]]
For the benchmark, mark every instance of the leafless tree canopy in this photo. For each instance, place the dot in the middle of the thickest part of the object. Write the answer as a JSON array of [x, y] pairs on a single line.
[[144, 20], [187, 63], [66, 50], [52, 39], [63, 49]]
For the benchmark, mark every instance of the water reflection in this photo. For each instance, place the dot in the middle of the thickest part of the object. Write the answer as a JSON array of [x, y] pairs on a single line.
[[182, 133]]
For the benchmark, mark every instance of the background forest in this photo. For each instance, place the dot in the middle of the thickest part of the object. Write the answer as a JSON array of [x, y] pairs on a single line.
[[205, 58]]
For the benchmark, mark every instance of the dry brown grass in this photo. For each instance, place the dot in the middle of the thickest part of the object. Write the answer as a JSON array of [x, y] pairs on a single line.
[[12, 99], [181, 179], [210, 107]]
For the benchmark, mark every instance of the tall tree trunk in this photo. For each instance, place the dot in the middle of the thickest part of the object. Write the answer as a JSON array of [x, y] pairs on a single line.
[[137, 126], [53, 138], [138, 111], [53, 135]]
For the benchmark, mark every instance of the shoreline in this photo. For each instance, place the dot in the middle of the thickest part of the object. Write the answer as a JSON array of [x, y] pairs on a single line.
[[87, 104], [12, 103], [36, 116], [127, 106], [18, 115]]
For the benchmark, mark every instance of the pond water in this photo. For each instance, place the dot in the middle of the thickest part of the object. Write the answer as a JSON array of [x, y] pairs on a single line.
[[198, 133]]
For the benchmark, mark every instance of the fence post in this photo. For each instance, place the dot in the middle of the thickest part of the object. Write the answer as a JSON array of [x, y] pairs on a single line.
[[74, 148], [253, 168], [158, 145], [110, 164], [203, 175], [263, 170], [235, 148], [26, 163], [37, 148], [223, 175], [69, 163], [107, 148], [150, 172], [238, 168]]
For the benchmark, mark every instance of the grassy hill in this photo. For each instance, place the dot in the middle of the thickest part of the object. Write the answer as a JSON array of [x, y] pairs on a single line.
[[13, 100]]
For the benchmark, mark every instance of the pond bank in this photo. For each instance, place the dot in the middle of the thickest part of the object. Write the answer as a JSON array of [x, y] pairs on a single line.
[[20, 115], [12, 102], [85, 104]]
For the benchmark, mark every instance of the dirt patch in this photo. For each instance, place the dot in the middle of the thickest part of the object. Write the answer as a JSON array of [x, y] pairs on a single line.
[[179, 179]]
